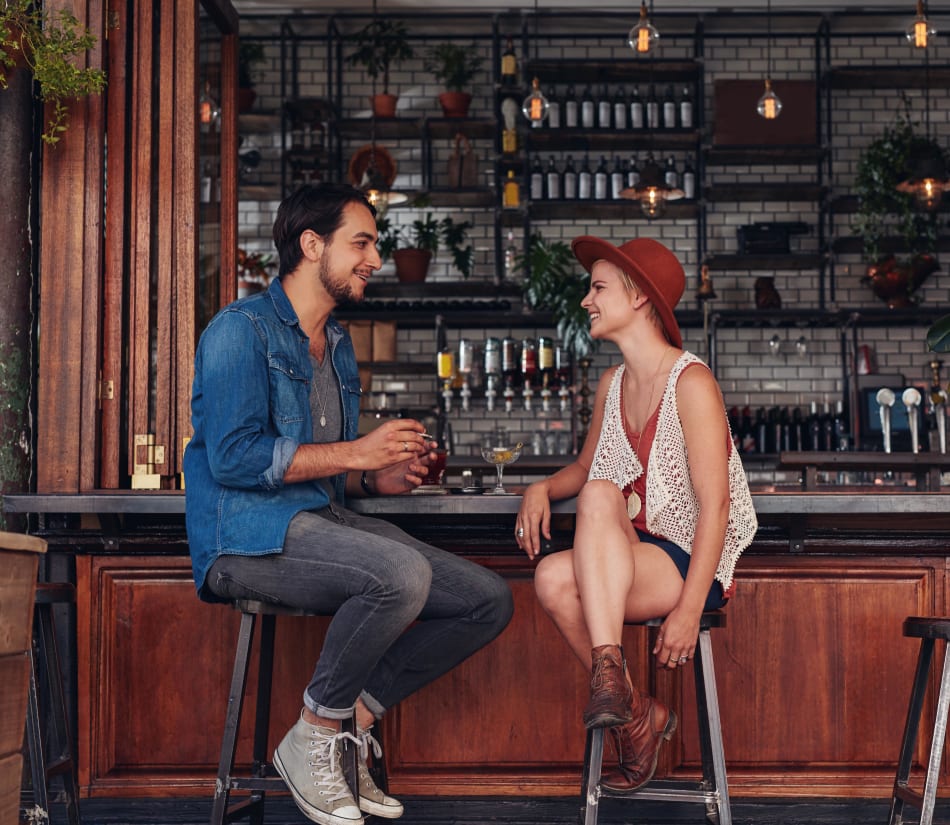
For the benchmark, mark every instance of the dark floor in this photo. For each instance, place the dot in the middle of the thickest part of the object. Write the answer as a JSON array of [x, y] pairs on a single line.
[[512, 811]]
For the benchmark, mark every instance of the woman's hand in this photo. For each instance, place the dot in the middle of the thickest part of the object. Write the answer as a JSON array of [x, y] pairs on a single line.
[[534, 519], [676, 641]]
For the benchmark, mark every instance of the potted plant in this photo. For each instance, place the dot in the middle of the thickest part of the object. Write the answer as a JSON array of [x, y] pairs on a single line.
[[380, 44], [412, 245], [456, 67], [48, 45], [253, 271], [884, 214], [250, 53], [551, 283]]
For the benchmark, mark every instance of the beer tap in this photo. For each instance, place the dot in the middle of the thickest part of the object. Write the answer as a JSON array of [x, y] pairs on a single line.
[[911, 399], [492, 371], [529, 370], [545, 393], [885, 399], [466, 351], [938, 405]]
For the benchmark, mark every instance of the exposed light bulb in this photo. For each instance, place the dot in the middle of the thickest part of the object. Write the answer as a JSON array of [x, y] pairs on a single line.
[[921, 29], [769, 105], [535, 106], [929, 193], [642, 36], [652, 202], [208, 111]]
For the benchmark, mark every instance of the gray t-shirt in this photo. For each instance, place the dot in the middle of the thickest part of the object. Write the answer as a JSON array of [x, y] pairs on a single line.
[[326, 408]]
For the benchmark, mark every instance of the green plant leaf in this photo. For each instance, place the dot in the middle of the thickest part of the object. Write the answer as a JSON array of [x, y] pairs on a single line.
[[938, 336]]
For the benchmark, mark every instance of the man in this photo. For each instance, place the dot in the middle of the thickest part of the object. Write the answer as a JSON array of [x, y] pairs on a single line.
[[274, 455]]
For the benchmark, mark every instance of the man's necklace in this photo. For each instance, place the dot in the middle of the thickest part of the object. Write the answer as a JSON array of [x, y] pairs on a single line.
[[326, 368]]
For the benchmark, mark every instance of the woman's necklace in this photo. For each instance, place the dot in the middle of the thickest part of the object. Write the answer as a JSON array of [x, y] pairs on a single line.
[[634, 504]]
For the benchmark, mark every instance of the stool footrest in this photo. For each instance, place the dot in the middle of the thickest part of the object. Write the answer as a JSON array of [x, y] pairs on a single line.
[[664, 790], [907, 794], [257, 783]]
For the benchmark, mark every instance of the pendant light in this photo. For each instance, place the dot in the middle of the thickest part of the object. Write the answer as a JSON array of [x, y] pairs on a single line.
[[373, 183], [927, 164], [769, 105], [652, 190], [921, 29], [535, 106], [644, 35]]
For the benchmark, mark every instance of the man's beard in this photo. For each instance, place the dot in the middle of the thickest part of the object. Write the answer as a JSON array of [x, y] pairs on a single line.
[[340, 292]]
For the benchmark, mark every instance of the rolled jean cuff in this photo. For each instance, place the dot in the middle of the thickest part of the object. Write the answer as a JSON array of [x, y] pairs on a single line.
[[325, 712], [372, 705]]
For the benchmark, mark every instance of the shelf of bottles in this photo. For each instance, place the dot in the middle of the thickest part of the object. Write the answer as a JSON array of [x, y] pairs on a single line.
[[784, 429]]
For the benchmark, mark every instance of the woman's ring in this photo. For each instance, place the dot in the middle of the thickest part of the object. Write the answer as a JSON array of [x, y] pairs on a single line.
[[521, 532], [683, 659], [405, 446]]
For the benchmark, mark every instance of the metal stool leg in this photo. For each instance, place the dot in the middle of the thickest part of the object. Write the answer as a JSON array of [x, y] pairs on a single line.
[[590, 782], [936, 746], [34, 736], [709, 710], [911, 728], [222, 787]]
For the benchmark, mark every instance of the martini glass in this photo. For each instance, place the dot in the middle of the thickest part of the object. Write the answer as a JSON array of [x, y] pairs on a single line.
[[501, 457]]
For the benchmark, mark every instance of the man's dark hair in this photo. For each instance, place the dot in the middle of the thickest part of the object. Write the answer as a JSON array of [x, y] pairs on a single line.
[[318, 207]]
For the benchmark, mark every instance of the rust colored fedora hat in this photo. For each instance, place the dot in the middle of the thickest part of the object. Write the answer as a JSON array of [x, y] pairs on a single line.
[[653, 268]]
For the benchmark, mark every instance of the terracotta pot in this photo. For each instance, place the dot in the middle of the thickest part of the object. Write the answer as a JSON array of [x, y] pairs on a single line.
[[384, 105], [896, 283], [412, 265], [245, 98], [455, 104]]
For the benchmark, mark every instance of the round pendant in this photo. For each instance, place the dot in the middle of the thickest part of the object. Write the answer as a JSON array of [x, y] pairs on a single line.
[[633, 505], [323, 423]]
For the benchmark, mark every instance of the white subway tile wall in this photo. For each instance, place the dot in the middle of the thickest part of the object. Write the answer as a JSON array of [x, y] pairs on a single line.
[[806, 365]]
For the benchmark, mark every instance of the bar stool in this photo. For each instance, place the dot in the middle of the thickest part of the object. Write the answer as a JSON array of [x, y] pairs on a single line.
[[928, 630], [712, 790], [52, 755], [263, 777]]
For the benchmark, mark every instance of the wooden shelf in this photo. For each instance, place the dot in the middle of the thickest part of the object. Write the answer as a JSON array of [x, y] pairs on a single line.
[[608, 210], [449, 127], [733, 192], [466, 198], [610, 140], [387, 128], [889, 77], [763, 155], [258, 123], [584, 71], [719, 263], [853, 244]]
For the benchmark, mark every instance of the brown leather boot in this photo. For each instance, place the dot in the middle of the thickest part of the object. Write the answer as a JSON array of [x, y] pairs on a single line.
[[638, 744], [610, 694]]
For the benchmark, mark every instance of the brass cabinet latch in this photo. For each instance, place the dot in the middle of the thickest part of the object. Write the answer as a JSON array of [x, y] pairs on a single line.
[[147, 456]]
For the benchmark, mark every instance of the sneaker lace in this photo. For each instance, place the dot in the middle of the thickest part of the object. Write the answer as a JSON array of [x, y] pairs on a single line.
[[367, 742], [325, 766]]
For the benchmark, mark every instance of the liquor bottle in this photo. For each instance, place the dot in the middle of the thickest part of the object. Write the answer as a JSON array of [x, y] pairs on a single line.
[[761, 431], [510, 369], [842, 438], [652, 109], [746, 431], [604, 109], [511, 257], [585, 182], [536, 180], [554, 110], [618, 180], [529, 361], [569, 180], [828, 429], [784, 430], [670, 175], [511, 194], [601, 179], [636, 109], [587, 109], [775, 430], [797, 439], [813, 428], [669, 109], [689, 180], [633, 172], [552, 181], [686, 109], [620, 109], [570, 109], [509, 64]]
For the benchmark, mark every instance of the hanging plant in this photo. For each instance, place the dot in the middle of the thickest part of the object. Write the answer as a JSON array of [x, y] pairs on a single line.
[[48, 46], [551, 283]]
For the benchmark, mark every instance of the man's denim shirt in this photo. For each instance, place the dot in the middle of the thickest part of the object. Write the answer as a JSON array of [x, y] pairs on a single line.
[[250, 409]]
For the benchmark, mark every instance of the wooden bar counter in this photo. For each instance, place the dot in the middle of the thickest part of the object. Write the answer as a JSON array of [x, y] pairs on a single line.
[[813, 671]]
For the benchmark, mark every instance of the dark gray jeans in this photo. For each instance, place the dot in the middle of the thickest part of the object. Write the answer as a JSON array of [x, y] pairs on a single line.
[[375, 580]]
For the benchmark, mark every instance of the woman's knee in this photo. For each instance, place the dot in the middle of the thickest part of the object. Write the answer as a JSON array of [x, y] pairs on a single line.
[[599, 498], [554, 581]]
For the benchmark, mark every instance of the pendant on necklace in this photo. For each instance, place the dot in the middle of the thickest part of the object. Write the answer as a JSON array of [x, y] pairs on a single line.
[[323, 421], [633, 505]]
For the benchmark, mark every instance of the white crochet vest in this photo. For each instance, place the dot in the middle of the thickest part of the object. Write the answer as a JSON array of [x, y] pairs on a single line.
[[671, 506]]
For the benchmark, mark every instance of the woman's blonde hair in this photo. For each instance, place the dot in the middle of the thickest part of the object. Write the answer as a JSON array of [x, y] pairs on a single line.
[[631, 285]]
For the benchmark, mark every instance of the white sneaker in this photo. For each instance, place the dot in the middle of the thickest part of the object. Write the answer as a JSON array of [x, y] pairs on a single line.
[[372, 799], [308, 759]]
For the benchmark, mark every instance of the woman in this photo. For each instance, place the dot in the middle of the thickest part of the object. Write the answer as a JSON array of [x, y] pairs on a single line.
[[663, 507]]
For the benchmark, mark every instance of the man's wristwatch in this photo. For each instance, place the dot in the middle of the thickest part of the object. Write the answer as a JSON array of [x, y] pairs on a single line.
[[365, 484]]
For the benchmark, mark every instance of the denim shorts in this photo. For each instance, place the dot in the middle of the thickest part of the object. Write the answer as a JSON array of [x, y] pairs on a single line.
[[715, 599]]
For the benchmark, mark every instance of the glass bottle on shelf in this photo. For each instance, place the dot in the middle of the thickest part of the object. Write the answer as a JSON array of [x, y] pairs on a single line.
[[669, 109], [571, 115], [536, 181], [601, 179], [652, 109], [509, 64], [585, 182], [686, 109], [603, 108], [689, 180], [569, 181], [618, 180], [511, 194], [670, 174], [511, 257], [552, 181], [587, 109], [636, 109], [554, 110], [620, 109], [633, 172]]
